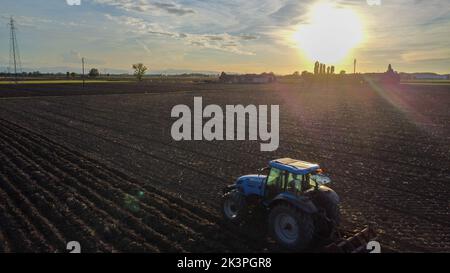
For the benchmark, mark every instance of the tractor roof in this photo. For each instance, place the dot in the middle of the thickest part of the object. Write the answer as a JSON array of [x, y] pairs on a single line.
[[294, 166]]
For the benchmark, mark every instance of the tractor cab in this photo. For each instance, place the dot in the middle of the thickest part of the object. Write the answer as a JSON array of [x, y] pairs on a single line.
[[285, 176], [292, 177]]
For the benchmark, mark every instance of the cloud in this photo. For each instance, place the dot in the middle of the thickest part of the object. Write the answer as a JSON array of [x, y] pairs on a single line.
[[291, 13], [426, 55], [173, 9], [145, 6], [141, 26], [248, 37], [222, 41], [71, 57]]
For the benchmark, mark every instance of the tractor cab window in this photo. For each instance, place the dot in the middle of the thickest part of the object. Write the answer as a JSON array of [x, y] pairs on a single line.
[[307, 183], [275, 182], [274, 178], [294, 183]]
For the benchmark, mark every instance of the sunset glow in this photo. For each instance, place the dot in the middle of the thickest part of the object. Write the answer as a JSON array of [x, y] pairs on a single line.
[[330, 34]]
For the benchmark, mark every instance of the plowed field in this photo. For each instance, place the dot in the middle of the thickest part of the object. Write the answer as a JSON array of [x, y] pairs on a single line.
[[98, 165]]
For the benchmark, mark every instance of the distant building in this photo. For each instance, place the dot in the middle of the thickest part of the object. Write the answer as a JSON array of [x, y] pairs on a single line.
[[390, 76], [248, 78]]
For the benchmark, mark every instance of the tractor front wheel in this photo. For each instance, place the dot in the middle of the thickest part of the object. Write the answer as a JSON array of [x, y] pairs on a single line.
[[290, 227], [234, 206]]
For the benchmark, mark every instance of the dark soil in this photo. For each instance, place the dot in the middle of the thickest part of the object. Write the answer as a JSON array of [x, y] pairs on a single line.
[[98, 165]]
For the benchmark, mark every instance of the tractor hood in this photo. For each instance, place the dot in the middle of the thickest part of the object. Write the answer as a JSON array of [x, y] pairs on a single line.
[[251, 178], [251, 184]]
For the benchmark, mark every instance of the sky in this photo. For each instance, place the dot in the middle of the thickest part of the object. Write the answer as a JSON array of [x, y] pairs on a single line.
[[241, 36]]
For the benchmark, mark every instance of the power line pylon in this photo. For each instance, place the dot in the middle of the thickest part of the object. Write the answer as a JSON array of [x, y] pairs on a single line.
[[14, 55]]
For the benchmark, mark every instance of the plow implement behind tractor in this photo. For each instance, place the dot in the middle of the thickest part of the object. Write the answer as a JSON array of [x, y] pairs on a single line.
[[358, 243]]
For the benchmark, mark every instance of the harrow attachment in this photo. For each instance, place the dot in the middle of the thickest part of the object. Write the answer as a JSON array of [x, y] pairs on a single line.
[[355, 244]]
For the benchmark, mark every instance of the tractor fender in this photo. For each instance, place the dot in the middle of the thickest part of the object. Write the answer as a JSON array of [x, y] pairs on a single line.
[[302, 203], [330, 195]]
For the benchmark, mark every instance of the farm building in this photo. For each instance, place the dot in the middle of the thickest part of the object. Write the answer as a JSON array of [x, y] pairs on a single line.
[[390, 76], [248, 78]]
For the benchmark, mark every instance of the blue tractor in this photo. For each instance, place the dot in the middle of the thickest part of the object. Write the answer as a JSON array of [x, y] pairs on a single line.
[[300, 207]]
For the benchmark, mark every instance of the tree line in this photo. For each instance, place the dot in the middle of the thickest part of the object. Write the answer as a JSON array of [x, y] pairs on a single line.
[[139, 72]]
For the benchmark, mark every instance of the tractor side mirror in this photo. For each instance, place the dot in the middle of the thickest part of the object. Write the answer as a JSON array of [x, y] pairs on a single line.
[[260, 171], [321, 179]]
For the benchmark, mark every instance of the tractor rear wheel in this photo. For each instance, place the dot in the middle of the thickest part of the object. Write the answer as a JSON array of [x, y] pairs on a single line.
[[326, 228], [334, 213], [290, 227], [234, 206]]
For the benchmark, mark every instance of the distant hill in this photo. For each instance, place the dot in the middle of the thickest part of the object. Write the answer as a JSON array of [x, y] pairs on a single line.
[[182, 71], [64, 69], [425, 76]]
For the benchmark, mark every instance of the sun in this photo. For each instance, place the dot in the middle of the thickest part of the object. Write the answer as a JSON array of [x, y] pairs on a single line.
[[330, 33]]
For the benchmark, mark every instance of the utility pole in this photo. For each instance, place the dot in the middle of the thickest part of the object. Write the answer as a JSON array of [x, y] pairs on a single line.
[[354, 66], [82, 69], [14, 57]]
